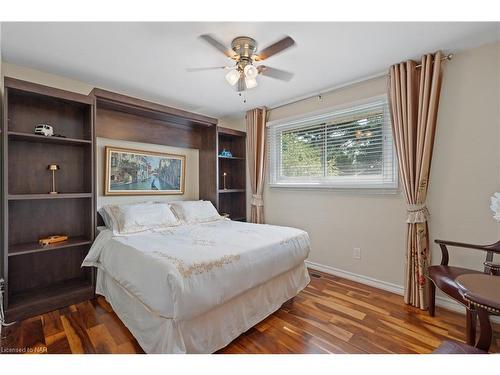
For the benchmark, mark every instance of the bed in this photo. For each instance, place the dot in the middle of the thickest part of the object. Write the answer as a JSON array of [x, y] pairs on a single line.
[[194, 288]]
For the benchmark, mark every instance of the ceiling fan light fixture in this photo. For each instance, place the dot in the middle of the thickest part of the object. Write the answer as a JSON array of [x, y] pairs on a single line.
[[250, 83], [250, 71], [233, 76], [243, 75]]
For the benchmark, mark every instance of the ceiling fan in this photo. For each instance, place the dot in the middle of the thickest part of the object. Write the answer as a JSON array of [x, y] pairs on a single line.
[[243, 74]]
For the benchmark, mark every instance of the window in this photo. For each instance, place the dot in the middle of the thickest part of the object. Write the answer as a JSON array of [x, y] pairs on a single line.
[[344, 148]]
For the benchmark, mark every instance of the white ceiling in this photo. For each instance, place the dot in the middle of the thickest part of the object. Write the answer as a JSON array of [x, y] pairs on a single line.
[[148, 60]]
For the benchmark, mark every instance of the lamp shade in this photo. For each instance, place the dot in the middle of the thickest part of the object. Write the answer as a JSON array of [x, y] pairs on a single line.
[[233, 76], [251, 72], [250, 83]]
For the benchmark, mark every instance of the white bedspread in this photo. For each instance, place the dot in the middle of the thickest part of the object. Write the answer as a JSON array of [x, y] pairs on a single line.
[[188, 270]]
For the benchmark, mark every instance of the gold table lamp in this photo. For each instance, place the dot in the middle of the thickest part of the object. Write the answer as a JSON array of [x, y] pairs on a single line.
[[53, 168]]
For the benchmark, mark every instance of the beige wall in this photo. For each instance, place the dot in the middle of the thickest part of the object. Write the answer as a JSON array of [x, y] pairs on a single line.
[[337, 221], [237, 123], [465, 172], [466, 167], [42, 78]]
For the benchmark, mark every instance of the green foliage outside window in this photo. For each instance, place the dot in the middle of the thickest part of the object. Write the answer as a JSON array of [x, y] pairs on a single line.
[[343, 149]]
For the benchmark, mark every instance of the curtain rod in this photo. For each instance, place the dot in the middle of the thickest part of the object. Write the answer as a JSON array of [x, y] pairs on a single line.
[[342, 85], [444, 58], [328, 89]]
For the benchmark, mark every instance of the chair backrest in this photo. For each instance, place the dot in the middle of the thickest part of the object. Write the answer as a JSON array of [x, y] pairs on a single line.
[[489, 260]]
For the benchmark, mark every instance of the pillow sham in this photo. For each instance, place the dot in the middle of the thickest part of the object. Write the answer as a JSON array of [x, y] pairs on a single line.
[[138, 217], [107, 220], [195, 211]]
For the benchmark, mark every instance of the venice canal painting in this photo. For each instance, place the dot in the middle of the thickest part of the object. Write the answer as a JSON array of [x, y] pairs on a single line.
[[135, 172]]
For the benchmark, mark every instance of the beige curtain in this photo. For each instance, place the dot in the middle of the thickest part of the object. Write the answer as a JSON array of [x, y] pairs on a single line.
[[414, 100], [256, 156]]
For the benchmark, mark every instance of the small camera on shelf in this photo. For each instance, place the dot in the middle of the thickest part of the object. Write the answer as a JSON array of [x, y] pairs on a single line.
[[47, 131], [44, 129]]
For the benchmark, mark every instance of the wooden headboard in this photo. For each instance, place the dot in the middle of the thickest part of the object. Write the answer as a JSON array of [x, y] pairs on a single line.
[[122, 117]]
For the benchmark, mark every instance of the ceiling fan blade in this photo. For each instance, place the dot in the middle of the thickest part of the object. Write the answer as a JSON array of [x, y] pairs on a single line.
[[275, 73], [218, 45], [241, 85], [208, 68], [274, 48]]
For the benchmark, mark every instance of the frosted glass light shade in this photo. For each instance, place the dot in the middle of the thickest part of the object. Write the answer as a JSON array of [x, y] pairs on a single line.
[[250, 83], [250, 71], [232, 77]]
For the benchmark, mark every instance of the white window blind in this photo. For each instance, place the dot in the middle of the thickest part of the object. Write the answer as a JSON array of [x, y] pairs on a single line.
[[345, 148]]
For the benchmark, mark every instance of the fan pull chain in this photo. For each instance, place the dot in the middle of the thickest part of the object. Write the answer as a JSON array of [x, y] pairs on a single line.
[[244, 100]]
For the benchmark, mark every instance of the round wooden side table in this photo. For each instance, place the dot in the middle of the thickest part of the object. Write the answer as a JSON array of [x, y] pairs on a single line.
[[482, 292]]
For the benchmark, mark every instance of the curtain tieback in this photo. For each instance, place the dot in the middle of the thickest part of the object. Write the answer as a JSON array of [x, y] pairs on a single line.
[[257, 200], [417, 213]]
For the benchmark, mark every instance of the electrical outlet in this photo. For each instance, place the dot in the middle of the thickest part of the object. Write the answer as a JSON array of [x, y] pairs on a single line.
[[356, 253]]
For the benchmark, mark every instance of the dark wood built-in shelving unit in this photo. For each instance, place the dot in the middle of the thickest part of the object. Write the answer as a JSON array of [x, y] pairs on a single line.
[[43, 278], [123, 117], [231, 157], [130, 119], [232, 200], [35, 247], [226, 191], [18, 197], [20, 136]]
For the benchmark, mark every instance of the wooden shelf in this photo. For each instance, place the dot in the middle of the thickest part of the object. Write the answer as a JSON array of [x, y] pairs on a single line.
[[231, 133], [18, 197], [35, 247], [231, 157], [231, 201], [27, 137], [117, 102], [44, 278], [30, 302], [222, 191]]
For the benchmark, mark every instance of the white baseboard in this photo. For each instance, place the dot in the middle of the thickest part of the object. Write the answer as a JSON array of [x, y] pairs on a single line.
[[441, 301], [384, 285]]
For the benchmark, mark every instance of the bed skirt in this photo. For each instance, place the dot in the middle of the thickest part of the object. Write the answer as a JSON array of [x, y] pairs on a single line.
[[210, 331]]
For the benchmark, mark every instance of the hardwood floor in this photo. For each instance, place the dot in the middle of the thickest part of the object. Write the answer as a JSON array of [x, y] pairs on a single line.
[[332, 315]]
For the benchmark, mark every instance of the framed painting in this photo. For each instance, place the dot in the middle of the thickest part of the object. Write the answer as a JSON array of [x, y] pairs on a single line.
[[136, 172]]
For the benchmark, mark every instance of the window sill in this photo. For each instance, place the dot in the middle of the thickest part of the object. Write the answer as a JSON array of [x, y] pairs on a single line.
[[356, 189]]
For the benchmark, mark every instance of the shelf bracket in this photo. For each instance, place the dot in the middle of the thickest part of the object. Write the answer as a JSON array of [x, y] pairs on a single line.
[[2, 314]]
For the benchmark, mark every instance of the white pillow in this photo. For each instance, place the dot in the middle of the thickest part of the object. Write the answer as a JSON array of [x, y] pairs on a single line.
[[108, 222], [195, 211], [139, 217]]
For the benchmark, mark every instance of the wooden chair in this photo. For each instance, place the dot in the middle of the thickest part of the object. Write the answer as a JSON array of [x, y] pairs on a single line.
[[443, 277]]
